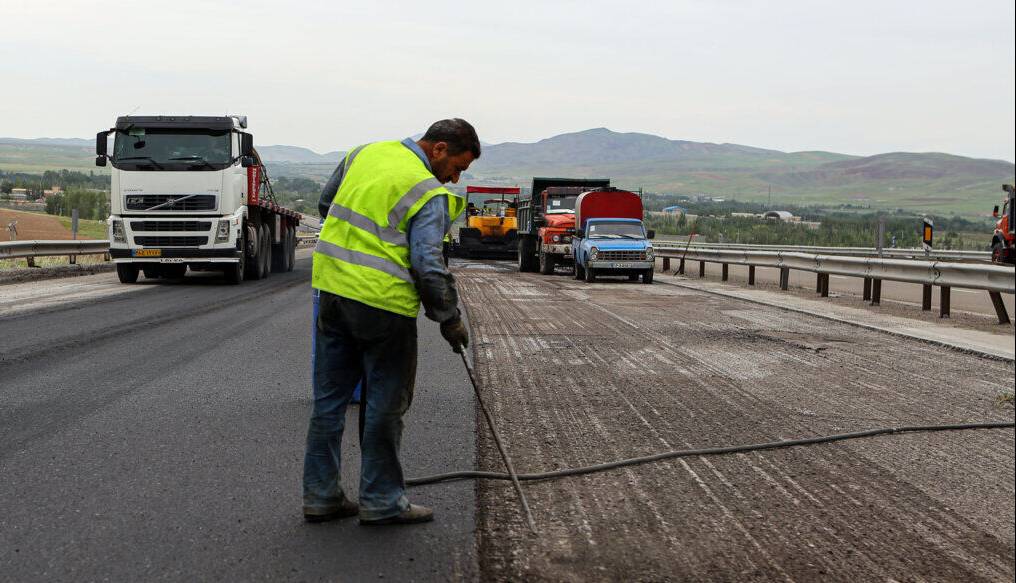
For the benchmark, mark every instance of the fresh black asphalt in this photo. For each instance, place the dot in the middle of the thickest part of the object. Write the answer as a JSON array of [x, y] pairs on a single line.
[[158, 435]]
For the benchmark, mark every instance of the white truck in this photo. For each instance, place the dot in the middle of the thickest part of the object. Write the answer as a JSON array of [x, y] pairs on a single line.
[[191, 191]]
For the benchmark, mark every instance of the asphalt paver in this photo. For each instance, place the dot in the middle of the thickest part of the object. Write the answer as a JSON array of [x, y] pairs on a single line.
[[157, 434]]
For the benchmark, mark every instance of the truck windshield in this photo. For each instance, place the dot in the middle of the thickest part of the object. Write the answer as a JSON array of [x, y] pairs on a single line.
[[563, 204], [615, 231], [171, 149]]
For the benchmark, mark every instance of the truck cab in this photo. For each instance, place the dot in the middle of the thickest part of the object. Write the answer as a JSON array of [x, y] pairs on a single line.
[[611, 239], [546, 221]]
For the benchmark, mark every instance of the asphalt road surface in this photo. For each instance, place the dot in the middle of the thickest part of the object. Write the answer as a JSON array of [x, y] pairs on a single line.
[[155, 432], [578, 374]]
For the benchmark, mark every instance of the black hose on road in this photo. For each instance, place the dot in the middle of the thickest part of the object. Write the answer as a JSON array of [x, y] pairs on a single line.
[[468, 475]]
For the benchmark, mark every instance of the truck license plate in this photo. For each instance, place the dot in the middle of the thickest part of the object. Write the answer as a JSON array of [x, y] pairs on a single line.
[[622, 265], [148, 252]]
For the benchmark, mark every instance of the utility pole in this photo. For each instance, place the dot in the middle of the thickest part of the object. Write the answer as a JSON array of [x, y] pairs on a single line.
[[770, 196]]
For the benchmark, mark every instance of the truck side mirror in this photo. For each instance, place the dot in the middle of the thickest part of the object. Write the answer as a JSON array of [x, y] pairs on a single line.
[[247, 161], [650, 234], [246, 144], [100, 148], [994, 213], [580, 233]]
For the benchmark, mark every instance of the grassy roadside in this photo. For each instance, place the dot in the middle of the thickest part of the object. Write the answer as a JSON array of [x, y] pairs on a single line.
[[87, 229]]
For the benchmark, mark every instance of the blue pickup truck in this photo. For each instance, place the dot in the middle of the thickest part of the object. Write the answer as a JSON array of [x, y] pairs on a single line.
[[610, 239]]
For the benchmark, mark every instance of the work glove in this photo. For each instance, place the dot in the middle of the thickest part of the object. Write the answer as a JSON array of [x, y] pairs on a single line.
[[454, 331]]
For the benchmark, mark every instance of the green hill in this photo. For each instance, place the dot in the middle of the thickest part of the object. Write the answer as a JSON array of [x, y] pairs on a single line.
[[914, 181]]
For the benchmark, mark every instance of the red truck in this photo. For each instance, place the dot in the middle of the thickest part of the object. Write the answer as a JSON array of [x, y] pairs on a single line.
[[1003, 239], [547, 221]]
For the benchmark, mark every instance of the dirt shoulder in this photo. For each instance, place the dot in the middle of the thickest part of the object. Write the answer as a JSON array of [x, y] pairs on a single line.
[[577, 374]]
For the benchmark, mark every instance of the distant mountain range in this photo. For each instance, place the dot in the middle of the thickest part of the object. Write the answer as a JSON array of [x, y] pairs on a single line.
[[917, 181]]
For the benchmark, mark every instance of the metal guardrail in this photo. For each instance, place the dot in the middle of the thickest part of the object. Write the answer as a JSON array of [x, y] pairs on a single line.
[[995, 279], [33, 249], [891, 253]]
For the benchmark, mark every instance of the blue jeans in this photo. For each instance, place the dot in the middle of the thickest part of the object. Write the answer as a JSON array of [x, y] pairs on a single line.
[[355, 341]]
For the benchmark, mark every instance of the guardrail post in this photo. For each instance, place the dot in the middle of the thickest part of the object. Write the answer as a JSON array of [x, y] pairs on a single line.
[[73, 259], [30, 261], [996, 298], [944, 307], [784, 278], [876, 292], [680, 268], [701, 268], [751, 275], [818, 283], [666, 264], [867, 289], [106, 257], [824, 287], [726, 272], [926, 298]]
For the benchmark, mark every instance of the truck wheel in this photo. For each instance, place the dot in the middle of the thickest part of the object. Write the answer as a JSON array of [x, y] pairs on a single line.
[[292, 248], [127, 272], [997, 252], [252, 251], [234, 272], [257, 261], [546, 263], [633, 277], [590, 275], [579, 271], [647, 277]]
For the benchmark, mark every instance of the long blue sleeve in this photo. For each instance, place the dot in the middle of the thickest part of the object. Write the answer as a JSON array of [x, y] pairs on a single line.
[[433, 280]]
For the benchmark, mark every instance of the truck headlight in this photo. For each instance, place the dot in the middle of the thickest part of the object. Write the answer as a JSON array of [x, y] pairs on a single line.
[[118, 233], [593, 252], [557, 238], [222, 233], [650, 254]]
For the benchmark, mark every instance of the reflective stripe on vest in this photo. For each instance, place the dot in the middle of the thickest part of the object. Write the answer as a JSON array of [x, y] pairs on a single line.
[[363, 250]]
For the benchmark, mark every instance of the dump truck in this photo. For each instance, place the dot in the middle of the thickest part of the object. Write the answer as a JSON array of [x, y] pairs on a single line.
[[547, 221], [1003, 239], [491, 229], [610, 239], [192, 192]]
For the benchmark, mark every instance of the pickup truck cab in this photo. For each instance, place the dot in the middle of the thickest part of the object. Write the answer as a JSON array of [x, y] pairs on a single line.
[[611, 239]]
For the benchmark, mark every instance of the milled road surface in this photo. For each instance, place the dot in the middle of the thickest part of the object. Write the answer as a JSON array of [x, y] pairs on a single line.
[[578, 374], [155, 432]]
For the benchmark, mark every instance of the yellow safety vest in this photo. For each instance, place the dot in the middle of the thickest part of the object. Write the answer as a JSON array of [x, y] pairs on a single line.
[[362, 251]]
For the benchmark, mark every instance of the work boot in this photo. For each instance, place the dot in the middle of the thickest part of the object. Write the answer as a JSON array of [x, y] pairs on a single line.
[[411, 515], [345, 509]]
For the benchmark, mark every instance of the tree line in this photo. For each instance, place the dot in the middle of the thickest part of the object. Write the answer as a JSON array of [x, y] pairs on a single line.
[[65, 179]]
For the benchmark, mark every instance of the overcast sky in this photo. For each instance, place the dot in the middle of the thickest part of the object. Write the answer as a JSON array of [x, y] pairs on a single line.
[[855, 76]]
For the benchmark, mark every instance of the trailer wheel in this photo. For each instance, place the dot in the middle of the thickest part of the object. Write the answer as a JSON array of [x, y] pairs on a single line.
[[590, 275], [127, 272], [266, 250]]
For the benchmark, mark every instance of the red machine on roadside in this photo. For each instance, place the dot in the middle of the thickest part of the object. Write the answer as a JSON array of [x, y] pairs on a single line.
[[1004, 239]]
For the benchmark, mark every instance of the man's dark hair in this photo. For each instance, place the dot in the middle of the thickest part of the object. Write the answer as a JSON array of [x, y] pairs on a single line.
[[457, 133]]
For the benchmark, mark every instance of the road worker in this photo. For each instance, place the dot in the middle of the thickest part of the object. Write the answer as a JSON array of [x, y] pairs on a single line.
[[377, 258]]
